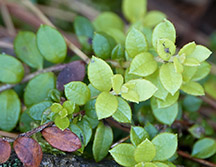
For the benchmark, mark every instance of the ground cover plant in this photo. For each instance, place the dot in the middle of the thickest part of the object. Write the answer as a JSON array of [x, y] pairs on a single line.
[[130, 95]]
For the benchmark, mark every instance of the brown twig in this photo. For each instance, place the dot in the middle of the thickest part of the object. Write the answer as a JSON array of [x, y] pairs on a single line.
[[58, 67], [29, 133], [120, 141], [8, 134], [209, 101], [70, 45], [118, 125], [7, 19], [6, 45], [201, 161]]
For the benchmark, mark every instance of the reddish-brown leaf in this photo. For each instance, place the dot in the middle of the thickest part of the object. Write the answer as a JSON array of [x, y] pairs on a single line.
[[62, 140], [75, 71], [5, 151], [28, 151]]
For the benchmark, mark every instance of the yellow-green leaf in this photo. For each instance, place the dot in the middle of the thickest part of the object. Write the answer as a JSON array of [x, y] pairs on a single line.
[[178, 66], [135, 43], [193, 88], [153, 17], [117, 81], [170, 79], [123, 113], [143, 64], [138, 90], [187, 49], [77, 92], [145, 151], [201, 53], [168, 101], [106, 105], [100, 74], [134, 10], [163, 30]]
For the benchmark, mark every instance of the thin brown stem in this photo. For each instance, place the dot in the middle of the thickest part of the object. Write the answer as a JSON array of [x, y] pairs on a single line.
[[118, 125], [120, 141], [209, 101], [8, 134], [7, 19], [70, 45], [201, 161], [58, 67], [6, 45]]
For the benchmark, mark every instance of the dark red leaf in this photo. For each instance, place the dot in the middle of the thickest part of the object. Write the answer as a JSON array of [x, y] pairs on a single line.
[[5, 151], [28, 151], [62, 140], [75, 71]]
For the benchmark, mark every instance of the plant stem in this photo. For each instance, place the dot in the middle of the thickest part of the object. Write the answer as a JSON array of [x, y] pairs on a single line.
[[70, 45], [201, 161], [209, 101], [120, 141], [6, 45], [58, 67]]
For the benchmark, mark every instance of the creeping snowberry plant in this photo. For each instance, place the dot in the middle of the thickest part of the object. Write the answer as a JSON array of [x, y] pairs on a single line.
[[133, 85]]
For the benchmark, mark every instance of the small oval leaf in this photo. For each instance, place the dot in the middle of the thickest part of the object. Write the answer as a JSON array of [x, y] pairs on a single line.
[[11, 69], [51, 44], [28, 151], [62, 140], [75, 71], [5, 151], [100, 74]]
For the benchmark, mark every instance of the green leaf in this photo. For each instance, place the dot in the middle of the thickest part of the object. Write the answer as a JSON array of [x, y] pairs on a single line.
[[10, 108], [83, 27], [193, 88], [164, 115], [187, 49], [100, 74], [36, 111], [138, 90], [200, 53], [178, 66], [84, 31], [118, 52], [197, 131], [11, 70], [117, 34], [102, 141], [93, 91], [62, 123], [188, 73], [153, 17], [163, 30], [86, 128], [79, 132], [135, 43], [147, 164], [145, 151], [137, 135], [190, 61], [165, 48], [210, 86], [143, 65], [123, 154], [117, 81], [51, 44], [107, 20], [151, 130], [25, 122], [77, 92], [26, 49], [103, 45], [166, 145], [134, 10], [168, 101], [56, 107], [161, 93], [38, 88], [191, 103], [170, 79], [123, 113], [204, 148], [202, 71], [160, 164], [69, 106], [63, 113], [106, 105]]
